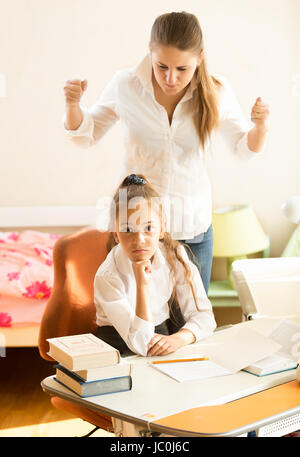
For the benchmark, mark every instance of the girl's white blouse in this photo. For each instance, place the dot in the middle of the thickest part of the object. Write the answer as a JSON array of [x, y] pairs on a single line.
[[115, 298], [170, 156]]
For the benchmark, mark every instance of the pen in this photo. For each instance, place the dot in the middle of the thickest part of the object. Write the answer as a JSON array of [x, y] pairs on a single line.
[[180, 360]]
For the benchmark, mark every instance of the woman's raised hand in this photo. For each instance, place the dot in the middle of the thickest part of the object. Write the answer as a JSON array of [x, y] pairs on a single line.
[[74, 89], [260, 113]]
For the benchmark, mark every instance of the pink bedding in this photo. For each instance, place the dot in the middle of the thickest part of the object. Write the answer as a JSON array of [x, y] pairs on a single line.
[[26, 276]]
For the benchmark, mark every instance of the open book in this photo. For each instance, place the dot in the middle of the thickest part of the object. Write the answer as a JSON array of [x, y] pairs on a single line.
[[272, 364], [239, 348], [287, 334]]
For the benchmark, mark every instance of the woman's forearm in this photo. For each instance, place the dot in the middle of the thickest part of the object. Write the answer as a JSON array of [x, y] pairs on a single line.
[[257, 138], [73, 117]]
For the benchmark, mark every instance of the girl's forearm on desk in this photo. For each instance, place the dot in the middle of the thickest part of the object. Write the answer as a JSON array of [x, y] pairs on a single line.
[[165, 344], [186, 336]]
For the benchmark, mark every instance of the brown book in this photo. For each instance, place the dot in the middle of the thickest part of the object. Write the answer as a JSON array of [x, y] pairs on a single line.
[[80, 352]]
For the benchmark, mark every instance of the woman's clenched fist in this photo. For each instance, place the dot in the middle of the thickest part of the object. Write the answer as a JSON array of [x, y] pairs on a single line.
[[74, 89]]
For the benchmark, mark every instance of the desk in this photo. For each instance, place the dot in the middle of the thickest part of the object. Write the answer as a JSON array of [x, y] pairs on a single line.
[[158, 403]]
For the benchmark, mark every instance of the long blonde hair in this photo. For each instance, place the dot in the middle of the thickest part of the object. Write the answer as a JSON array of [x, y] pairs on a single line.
[[138, 186], [182, 31]]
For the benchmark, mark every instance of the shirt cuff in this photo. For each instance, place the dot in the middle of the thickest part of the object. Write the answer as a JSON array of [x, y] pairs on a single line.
[[142, 331], [86, 126], [139, 324], [198, 332], [243, 150]]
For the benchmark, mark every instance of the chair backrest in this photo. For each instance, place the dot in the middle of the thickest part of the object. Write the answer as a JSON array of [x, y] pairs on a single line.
[[70, 309], [268, 286]]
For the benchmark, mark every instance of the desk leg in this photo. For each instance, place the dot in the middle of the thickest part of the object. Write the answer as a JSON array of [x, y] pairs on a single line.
[[122, 428]]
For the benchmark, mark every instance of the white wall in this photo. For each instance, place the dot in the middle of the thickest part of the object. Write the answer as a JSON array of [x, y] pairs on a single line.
[[44, 42]]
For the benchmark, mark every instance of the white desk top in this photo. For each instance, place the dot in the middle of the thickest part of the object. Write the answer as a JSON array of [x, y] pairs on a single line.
[[154, 395]]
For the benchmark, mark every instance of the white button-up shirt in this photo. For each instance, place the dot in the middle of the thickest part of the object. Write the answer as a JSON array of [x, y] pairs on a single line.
[[170, 156], [115, 298]]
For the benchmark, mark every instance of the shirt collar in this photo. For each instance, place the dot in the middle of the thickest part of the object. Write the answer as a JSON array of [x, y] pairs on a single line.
[[124, 265], [143, 70]]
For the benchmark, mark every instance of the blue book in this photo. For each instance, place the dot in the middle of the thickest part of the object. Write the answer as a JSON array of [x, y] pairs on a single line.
[[83, 388]]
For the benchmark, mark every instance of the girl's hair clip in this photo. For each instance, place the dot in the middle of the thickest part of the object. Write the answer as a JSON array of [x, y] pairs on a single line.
[[134, 179]]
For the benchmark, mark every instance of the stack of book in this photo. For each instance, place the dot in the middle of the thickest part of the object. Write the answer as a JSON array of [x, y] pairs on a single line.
[[88, 366]]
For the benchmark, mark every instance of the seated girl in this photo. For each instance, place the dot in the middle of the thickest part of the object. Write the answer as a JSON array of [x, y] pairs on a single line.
[[149, 296]]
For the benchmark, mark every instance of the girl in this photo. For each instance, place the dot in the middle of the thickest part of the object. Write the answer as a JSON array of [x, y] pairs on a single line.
[[149, 296], [170, 106]]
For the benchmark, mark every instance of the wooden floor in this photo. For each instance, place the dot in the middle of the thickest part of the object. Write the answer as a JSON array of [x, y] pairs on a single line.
[[25, 410]]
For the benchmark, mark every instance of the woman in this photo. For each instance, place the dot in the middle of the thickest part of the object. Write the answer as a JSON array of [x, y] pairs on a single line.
[[170, 107]]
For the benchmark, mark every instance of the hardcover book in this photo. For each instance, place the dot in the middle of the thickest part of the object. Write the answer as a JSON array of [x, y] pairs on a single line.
[[111, 371], [272, 364], [90, 388], [81, 352]]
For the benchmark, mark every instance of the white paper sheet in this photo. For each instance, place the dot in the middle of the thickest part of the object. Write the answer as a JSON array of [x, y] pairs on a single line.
[[188, 371], [239, 349], [243, 348]]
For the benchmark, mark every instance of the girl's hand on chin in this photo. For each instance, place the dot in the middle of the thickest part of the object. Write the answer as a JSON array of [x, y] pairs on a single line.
[[142, 271]]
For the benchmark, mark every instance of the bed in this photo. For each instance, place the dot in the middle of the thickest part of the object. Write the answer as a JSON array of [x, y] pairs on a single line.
[[27, 238]]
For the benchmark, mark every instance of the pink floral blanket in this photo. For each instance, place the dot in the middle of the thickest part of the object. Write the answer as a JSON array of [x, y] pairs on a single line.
[[26, 276]]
